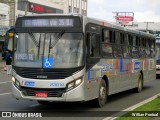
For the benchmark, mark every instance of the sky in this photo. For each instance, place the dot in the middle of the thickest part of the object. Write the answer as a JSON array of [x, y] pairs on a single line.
[[144, 10]]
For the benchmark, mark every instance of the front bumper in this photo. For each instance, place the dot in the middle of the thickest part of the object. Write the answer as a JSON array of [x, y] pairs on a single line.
[[75, 94]]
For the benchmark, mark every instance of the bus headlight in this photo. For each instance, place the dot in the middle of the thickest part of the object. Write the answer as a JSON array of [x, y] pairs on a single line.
[[16, 82], [74, 84], [70, 86], [13, 80], [78, 82]]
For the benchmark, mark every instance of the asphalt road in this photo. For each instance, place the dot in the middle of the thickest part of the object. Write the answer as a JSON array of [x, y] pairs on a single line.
[[68, 111]]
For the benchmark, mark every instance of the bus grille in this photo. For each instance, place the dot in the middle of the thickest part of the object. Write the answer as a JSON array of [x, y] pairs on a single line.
[[43, 74], [51, 92]]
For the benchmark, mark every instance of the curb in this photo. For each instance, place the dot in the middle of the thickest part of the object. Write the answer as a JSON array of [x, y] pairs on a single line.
[[113, 117]]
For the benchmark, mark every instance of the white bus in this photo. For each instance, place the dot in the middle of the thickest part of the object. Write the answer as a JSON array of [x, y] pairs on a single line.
[[76, 58]]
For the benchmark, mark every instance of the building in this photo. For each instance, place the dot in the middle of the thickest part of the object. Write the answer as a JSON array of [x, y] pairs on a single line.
[[23, 7], [73, 6], [4, 22], [4, 15], [36, 7], [11, 4]]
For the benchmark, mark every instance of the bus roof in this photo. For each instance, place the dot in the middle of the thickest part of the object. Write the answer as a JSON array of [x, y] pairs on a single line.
[[118, 27], [36, 15], [96, 21]]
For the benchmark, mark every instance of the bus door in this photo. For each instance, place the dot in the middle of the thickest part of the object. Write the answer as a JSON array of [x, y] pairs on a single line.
[[92, 59]]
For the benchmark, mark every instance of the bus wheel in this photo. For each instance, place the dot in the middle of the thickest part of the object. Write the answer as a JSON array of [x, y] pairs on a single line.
[[102, 98], [140, 84], [44, 102]]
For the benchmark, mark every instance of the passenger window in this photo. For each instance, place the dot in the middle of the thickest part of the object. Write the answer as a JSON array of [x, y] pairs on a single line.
[[135, 52], [126, 39], [137, 41], [118, 51], [142, 52], [94, 45], [147, 43], [107, 36], [107, 50], [148, 53], [126, 51], [107, 46], [130, 40], [152, 48], [134, 40], [122, 38], [117, 38]]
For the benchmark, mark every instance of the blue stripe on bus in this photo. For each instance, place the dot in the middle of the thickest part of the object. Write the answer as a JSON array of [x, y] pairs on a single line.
[[121, 66]]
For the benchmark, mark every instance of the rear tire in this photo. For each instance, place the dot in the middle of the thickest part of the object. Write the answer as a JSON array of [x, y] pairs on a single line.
[[140, 84], [102, 97], [43, 102]]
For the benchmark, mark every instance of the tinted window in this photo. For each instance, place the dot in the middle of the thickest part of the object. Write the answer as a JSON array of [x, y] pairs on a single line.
[[107, 36], [135, 52], [126, 51], [117, 51], [94, 45], [107, 50]]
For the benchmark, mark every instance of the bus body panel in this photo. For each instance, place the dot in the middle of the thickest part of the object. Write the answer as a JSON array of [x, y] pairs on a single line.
[[122, 73]]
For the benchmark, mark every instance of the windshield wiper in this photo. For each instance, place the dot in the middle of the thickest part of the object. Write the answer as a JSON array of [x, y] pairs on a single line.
[[39, 45], [34, 39], [51, 45]]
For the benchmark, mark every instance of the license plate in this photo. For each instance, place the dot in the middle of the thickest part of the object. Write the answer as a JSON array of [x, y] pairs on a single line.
[[41, 94]]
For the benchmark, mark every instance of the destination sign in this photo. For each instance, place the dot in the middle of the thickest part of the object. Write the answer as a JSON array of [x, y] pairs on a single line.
[[50, 22]]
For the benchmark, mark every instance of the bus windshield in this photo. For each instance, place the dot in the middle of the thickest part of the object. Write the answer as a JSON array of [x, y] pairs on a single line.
[[58, 50]]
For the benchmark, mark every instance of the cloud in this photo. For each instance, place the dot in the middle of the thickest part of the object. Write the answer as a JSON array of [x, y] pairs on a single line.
[[147, 16], [154, 2], [144, 10]]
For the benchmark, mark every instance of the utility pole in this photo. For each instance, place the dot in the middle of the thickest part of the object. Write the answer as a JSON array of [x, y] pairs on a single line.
[[147, 24]]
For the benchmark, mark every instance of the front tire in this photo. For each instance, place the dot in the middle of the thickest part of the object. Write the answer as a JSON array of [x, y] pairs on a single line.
[[102, 97]]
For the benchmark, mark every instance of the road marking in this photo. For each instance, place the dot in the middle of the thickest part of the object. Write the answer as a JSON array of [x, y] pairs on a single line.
[[34, 105], [4, 82], [5, 93]]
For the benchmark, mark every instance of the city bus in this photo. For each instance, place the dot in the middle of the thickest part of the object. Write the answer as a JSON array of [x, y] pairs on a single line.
[[74, 58], [157, 56]]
